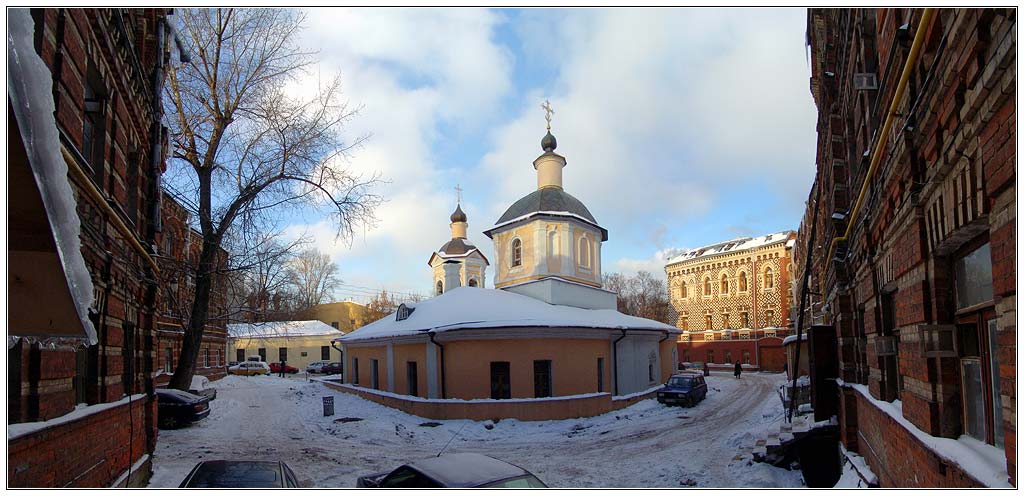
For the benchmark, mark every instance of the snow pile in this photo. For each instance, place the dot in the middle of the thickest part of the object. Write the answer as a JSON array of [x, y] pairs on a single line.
[[283, 329], [477, 308], [983, 462]]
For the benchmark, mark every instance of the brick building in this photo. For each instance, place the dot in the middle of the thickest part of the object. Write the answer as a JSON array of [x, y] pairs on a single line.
[[179, 248], [86, 149], [912, 281], [732, 300]]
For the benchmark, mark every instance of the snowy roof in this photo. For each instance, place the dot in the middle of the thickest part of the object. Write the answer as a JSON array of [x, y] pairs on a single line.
[[480, 308], [732, 246], [792, 337], [284, 329]]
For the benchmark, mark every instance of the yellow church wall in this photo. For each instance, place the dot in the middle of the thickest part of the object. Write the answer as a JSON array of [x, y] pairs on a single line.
[[573, 365], [503, 253], [410, 353], [364, 354], [562, 260], [593, 272]]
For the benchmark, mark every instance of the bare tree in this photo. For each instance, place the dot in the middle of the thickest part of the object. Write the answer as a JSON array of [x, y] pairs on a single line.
[[313, 278], [380, 306], [642, 295], [245, 148]]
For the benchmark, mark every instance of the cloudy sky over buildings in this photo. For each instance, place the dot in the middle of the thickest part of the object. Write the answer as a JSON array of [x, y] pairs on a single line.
[[681, 127]]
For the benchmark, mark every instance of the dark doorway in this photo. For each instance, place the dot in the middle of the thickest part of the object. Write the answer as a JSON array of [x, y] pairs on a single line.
[[541, 378], [411, 378], [501, 385], [240, 355]]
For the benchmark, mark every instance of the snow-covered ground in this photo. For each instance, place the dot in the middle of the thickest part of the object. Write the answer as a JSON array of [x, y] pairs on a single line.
[[644, 445]]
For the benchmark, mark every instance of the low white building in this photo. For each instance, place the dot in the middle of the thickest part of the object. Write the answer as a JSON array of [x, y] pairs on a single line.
[[298, 342]]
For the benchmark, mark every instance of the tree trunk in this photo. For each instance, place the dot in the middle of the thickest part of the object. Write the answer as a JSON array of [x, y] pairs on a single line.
[[192, 340]]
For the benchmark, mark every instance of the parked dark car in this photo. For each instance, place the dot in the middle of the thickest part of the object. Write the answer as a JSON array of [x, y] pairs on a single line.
[[454, 470], [683, 389], [331, 368], [239, 474], [275, 368], [176, 408]]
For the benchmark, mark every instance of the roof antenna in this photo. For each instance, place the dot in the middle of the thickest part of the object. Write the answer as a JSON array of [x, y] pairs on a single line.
[[453, 438]]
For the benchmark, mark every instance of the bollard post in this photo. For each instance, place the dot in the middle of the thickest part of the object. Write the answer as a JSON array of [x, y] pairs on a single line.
[[328, 406]]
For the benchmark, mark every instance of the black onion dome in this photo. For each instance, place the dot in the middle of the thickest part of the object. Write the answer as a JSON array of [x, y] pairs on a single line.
[[458, 215], [457, 246], [548, 143], [553, 200]]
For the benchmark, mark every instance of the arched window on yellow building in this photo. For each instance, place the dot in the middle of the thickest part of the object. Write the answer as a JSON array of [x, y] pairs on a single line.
[[682, 290], [769, 278], [584, 252], [742, 282], [707, 286], [440, 287], [725, 284], [472, 283], [517, 252], [708, 324]]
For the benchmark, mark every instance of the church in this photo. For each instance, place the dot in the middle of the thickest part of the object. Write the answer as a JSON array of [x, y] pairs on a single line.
[[547, 338]]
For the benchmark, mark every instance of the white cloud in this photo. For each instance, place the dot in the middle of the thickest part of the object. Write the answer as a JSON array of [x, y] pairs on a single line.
[[655, 264]]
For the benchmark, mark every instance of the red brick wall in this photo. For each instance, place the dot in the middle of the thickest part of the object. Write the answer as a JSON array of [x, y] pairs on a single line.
[[88, 452], [767, 349]]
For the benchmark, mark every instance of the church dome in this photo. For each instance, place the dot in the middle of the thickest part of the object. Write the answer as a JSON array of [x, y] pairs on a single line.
[[458, 215], [548, 143], [457, 246], [553, 200]]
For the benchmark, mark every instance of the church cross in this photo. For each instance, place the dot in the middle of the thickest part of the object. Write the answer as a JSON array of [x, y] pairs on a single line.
[[458, 194], [548, 111]]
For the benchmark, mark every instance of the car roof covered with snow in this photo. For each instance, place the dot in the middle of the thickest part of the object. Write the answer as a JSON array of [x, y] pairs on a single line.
[[481, 308], [282, 329], [466, 469]]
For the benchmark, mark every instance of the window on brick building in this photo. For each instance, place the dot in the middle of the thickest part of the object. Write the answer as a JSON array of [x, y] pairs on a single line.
[[977, 345], [742, 282], [769, 317], [683, 321], [206, 357], [888, 351], [708, 324], [682, 290], [168, 360], [769, 278], [725, 321], [728, 356], [707, 286], [744, 320], [711, 356], [724, 287], [94, 124], [746, 357]]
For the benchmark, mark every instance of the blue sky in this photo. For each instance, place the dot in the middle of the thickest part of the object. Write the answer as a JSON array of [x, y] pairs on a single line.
[[681, 127]]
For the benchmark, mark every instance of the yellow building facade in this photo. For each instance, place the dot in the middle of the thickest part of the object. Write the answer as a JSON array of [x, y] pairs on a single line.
[[344, 316], [299, 342]]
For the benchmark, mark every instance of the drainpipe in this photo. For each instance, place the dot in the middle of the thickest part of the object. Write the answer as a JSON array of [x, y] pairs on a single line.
[[439, 345], [341, 352], [876, 154], [674, 365], [615, 360]]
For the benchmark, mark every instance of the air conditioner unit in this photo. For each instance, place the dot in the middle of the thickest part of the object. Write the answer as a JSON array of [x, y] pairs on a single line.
[[865, 81]]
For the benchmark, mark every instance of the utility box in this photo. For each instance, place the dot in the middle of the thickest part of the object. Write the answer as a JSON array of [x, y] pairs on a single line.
[[328, 406]]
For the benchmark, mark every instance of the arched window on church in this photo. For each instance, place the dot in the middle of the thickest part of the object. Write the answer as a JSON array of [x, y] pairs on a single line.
[[584, 252], [517, 252], [440, 287], [682, 290], [552, 244], [707, 286], [769, 278], [472, 283], [743, 282], [725, 284]]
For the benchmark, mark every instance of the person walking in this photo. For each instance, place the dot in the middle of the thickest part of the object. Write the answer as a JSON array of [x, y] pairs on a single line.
[[282, 367], [738, 370]]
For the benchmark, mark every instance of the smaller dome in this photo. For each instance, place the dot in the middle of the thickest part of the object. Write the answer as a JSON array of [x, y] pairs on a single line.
[[458, 215], [548, 142]]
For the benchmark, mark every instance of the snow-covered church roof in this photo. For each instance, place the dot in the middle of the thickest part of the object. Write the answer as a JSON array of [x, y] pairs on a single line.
[[733, 245], [481, 308], [283, 329]]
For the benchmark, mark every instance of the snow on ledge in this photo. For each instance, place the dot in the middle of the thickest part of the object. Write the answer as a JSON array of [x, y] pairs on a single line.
[[15, 431], [135, 468], [638, 393], [983, 462], [418, 399], [860, 466]]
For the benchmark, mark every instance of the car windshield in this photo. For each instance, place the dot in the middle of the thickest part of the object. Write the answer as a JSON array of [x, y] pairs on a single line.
[[681, 382], [521, 482], [236, 474]]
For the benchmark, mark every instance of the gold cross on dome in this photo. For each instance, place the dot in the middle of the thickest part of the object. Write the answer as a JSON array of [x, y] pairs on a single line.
[[548, 111], [458, 194]]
